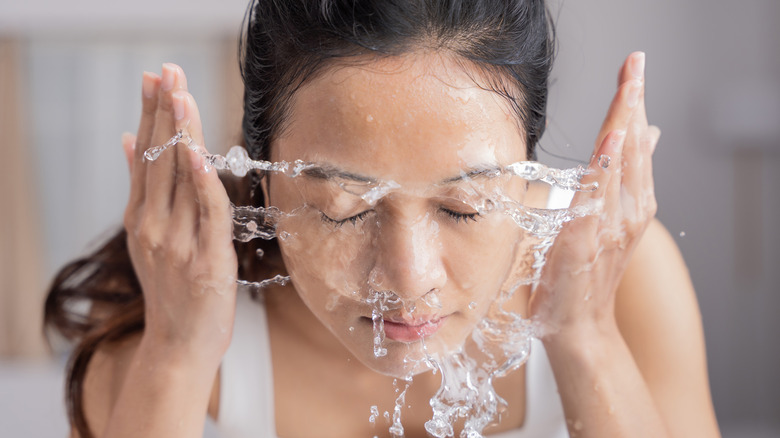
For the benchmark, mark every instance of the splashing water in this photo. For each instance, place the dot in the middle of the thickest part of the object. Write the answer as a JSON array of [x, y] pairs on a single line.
[[374, 414], [501, 339], [397, 429], [254, 222], [379, 333], [567, 179], [381, 303]]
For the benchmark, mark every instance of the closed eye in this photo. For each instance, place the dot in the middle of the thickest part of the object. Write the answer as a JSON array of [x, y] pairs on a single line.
[[338, 223], [465, 217]]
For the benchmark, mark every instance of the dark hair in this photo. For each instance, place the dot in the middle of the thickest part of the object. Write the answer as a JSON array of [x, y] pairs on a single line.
[[287, 42], [510, 43]]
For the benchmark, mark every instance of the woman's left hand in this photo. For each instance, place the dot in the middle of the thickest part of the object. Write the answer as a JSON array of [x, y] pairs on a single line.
[[576, 292]]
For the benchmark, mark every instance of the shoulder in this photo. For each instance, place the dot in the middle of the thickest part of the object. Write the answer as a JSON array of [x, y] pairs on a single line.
[[105, 375], [657, 282], [658, 315]]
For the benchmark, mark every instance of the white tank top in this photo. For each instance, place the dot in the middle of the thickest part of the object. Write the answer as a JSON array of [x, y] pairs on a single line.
[[246, 398]]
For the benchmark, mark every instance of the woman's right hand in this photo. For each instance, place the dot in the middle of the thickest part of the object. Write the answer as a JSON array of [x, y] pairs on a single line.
[[179, 228]]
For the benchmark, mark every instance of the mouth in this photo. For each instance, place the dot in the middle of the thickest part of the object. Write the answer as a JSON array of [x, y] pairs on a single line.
[[410, 331]]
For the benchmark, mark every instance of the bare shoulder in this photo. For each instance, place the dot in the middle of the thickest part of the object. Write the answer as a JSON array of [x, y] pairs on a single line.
[[105, 375], [658, 315], [103, 380]]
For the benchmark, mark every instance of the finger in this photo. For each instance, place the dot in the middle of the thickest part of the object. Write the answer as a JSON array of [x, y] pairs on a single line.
[[185, 210], [150, 89], [652, 137], [582, 231], [632, 68], [201, 204], [128, 146], [626, 98], [215, 232], [603, 167], [604, 170], [614, 146], [635, 156], [654, 133], [160, 173]]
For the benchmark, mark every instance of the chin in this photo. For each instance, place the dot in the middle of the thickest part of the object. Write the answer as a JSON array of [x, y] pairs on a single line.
[[402, 361]]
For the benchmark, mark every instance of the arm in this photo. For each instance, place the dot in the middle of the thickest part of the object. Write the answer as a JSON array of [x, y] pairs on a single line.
[[647, 375], [618, 317], [114, 365], [658, 316], [180, 242]]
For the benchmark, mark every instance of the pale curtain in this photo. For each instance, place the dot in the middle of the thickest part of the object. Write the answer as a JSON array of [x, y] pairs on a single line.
[[21, 274], [64, 180]]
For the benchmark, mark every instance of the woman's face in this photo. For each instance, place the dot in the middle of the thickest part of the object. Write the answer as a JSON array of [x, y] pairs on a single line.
[[424, 135]]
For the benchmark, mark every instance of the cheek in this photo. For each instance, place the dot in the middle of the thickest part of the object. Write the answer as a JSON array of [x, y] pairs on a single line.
[[322, 260], [482, 259]]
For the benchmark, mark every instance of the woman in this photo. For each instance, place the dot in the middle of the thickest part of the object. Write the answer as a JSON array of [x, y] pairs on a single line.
[[426, 97]]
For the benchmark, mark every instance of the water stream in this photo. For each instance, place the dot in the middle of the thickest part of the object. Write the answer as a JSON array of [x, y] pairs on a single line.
[[501, 340]]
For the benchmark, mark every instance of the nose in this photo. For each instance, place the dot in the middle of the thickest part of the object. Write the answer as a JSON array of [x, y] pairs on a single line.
[[409, 261]]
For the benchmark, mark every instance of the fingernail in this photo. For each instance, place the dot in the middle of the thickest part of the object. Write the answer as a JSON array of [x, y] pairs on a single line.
[[638, 65], [148, 85], [178, 106], [168, 76], [633, 94]]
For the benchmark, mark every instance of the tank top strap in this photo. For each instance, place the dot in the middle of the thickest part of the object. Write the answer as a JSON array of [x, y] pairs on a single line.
[[559, 198], [246, 396], [544, 412]]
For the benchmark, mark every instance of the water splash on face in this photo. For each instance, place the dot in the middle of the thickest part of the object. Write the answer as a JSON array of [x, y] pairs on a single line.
[[381, 303], [500, 341]]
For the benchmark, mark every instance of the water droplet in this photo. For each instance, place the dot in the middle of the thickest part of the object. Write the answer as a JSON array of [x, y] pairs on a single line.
[[379, 333], [604, 161], [152, 154], [259, 253], [682, 233], [237, 158], [473, 305], [281, 280], [369, 118], [352, 329]]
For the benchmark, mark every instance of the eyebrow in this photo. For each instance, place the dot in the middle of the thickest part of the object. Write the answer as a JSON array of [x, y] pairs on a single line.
[[329, 172], [481, 171]]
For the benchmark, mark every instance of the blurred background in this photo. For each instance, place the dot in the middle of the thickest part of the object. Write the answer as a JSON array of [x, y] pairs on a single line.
[[70, 85]]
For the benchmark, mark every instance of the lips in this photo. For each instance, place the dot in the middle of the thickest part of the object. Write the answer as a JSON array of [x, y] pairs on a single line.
[[403, 331]]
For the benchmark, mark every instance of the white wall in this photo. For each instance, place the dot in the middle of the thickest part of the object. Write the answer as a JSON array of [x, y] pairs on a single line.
[[138, 17], [82, 95], [713, 86]]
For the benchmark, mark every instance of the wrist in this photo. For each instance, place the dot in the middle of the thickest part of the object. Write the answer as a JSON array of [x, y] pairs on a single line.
[[178, 356], [585, 341]]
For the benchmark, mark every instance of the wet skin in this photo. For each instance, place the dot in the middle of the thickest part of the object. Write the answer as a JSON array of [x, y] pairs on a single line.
[[421, 122]]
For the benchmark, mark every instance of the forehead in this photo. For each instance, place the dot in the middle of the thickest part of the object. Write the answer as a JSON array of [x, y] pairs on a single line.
[[411, 119]]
